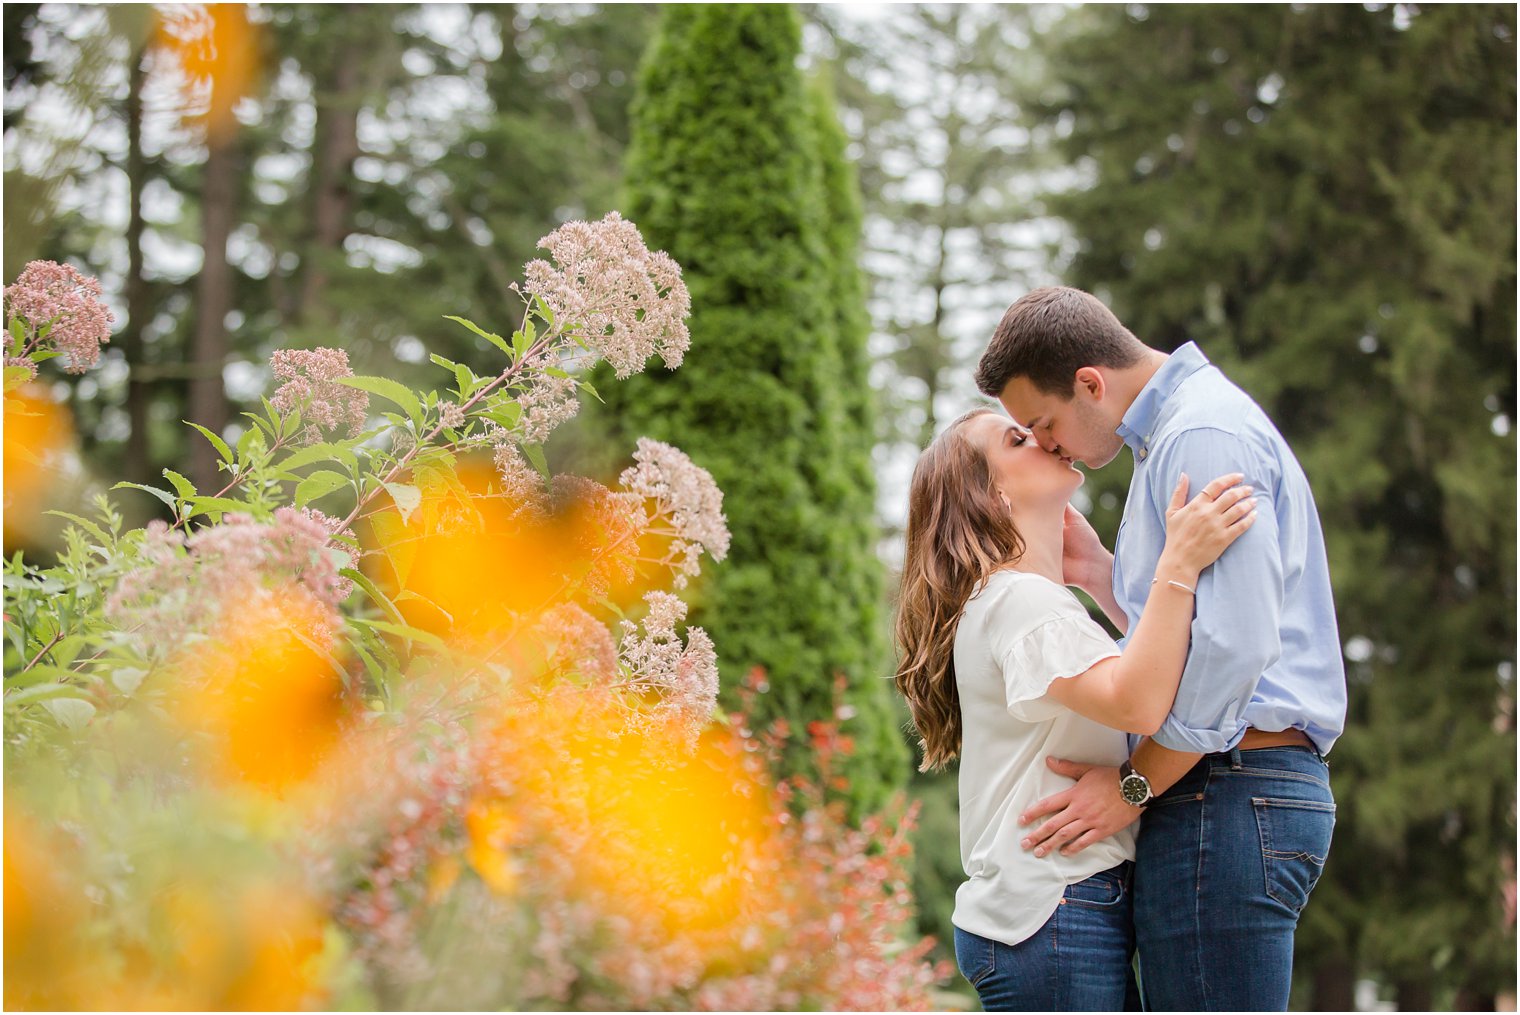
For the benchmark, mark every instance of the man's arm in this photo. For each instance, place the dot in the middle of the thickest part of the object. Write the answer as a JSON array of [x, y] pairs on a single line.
[[1239, 603], [1093, 809]]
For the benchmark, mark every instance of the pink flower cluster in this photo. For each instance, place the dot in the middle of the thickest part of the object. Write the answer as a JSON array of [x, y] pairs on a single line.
[[685, 676], [396, 804], [328, 409], [546, 400], [578, 644], [607, 529], [688, 501], [187, 584], [627, 302], [520, 482], [61, 309]]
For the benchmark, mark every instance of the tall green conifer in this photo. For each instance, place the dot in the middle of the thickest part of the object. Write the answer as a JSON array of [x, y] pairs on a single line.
[[725, 173]]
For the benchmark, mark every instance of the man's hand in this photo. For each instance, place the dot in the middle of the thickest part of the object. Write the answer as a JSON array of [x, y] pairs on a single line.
[[1080, 816], [1084, 561]]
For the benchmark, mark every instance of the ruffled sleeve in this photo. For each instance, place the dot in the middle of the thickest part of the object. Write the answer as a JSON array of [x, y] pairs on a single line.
[[1037, 632], [1062, 646]]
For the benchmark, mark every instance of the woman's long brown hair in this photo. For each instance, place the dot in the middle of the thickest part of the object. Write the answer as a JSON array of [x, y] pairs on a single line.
[[959, 532]]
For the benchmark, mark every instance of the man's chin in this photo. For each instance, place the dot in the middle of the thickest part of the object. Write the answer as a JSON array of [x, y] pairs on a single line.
[[1100, 460]]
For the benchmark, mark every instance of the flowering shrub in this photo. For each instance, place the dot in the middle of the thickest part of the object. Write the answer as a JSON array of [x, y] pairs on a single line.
[[53, 310], [458, 693]]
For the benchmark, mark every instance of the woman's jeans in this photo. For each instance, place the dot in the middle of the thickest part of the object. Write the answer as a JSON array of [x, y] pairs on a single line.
[[1078, 961], [1225, 862]]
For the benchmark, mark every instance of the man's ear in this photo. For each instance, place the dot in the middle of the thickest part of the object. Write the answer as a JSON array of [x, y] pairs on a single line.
[[1090, 380]]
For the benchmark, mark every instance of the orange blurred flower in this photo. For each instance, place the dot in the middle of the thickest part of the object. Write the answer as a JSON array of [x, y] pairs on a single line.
[[38, 433], [490, 827], [657, 827], [218, 51], [265, 695]]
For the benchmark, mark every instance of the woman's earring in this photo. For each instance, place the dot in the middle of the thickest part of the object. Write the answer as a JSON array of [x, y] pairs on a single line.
[[1006, 503]]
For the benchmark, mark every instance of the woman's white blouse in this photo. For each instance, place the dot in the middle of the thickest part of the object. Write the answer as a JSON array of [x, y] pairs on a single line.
[[1018, 633]]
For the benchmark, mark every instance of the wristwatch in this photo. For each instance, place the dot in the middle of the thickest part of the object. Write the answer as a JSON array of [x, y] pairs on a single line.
[[1134, 787]]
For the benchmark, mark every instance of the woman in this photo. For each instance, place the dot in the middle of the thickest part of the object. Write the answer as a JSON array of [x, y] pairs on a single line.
[[1002, 666]]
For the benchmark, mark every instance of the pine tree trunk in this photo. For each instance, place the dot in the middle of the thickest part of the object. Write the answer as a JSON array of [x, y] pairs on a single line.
[[1474, 999], [208, 351], [1334, 987], [338, 100], [136, 465], [1409, 995]]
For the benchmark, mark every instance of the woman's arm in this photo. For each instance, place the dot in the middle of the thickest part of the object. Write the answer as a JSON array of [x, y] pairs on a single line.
[[1134, 692]]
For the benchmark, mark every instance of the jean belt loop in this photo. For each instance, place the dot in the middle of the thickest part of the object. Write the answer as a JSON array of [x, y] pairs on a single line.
[[1235, 763]]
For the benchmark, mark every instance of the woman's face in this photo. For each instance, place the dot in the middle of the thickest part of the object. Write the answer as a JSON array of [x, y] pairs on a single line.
[[1026, 474]]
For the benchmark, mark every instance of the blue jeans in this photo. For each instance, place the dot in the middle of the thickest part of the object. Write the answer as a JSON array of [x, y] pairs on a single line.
[[1078, 961], [1226, 860]]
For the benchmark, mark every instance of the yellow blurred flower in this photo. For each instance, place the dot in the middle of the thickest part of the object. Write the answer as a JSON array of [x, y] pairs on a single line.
[[490, 828], [38, 432], [266, 696], [218, 52]]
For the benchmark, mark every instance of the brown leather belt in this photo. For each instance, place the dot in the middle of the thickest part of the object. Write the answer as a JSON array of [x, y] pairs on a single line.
[[1256, 739]]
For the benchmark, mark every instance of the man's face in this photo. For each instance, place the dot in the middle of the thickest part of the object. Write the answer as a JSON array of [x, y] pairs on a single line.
[[1076, 428]]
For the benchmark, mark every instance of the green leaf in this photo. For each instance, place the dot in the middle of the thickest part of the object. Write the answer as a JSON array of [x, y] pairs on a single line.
[[162, 495], [84, 523], [360, 579], [392, 391], [535, 455], [250, 436], [391, 536], [508, 413], [184, 486], [36, 675], [43, 692], [407, 498], [214, 505], [216, 442], [16, 376], [403, 631], [71, 713], [586, 386], [128, 679], [323, 452], [494, 339], [318, 485]]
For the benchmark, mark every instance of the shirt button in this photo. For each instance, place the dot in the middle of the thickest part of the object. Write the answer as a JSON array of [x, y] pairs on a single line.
[[1142, 454]]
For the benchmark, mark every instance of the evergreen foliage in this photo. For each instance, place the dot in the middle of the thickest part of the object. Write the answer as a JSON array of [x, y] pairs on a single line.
[[1324, 198], [725, 173]]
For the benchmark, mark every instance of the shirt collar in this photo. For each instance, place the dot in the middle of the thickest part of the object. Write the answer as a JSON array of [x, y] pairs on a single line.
[[1139, 423]]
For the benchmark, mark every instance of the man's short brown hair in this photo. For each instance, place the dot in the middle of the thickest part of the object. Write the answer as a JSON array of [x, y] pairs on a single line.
[[1048, 335]]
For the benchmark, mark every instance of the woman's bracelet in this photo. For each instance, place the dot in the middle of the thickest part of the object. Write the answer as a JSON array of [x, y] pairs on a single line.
[[1190, 591]]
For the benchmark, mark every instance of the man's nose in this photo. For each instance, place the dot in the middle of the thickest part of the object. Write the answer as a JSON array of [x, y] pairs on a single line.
[[1045, 442]]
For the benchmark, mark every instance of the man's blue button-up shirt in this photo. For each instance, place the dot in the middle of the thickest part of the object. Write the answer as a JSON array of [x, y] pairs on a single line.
[[1265, 650]]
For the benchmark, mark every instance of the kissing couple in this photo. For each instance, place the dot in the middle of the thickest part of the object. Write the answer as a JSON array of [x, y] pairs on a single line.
[[1195, 840]]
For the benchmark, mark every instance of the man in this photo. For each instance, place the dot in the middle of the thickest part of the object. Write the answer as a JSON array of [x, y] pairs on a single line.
[[1234, 789]]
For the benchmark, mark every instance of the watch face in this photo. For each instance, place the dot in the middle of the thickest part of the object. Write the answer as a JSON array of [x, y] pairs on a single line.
[[1134, 789]]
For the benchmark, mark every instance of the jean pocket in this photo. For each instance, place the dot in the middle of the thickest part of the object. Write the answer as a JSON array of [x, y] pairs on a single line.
[[1099, 891], [1295, 841], [976, 956]]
